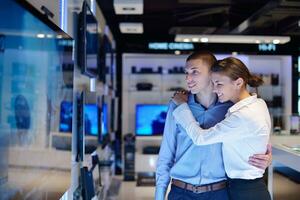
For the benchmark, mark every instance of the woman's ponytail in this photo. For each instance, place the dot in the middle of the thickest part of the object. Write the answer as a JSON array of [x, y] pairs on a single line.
[[255, 81]]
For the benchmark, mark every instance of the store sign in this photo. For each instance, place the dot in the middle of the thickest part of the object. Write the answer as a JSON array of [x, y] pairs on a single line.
[[267, 47], [171, 46]]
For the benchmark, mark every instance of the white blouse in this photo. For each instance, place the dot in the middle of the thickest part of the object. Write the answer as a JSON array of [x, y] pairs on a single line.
[[244, 132]]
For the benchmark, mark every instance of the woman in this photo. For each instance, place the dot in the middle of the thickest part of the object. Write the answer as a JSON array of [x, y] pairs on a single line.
[[244, 131]]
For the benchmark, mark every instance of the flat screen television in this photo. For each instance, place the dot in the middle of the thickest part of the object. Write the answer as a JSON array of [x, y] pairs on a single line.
[[150, 119], [66, 111], [87, 47], [114, 113], [91, 119], [106, 59], [80, 101], [104, 121]]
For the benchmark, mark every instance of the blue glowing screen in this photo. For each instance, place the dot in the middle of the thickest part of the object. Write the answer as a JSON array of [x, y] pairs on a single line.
[[150, 119]]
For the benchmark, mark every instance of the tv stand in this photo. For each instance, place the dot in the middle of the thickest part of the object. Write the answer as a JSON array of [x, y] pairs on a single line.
[[146, 162]]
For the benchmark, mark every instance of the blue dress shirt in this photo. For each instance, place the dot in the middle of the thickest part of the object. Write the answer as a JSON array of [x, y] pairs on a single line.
[[180, 159]]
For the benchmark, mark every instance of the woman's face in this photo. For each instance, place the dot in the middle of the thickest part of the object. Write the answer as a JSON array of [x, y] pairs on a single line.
[[225, 88]]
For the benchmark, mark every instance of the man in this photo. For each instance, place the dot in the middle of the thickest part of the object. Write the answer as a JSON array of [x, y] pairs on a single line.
[[197, 172]]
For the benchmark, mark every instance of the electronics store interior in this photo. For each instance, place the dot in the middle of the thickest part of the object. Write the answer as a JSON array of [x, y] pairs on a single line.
[[88, 89]]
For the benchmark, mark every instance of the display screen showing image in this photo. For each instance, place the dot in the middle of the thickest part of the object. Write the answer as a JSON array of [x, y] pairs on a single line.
[[299, 64], [65, 124], [104, 126], [150, 119], [91, 119]]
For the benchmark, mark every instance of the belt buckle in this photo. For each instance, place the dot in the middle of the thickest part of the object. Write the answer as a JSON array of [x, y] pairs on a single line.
[[196, 189]]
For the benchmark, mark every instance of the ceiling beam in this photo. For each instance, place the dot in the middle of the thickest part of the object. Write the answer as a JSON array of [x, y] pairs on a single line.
[[251, 20]]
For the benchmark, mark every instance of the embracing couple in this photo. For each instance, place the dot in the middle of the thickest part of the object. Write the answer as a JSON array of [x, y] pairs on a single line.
[[215, 141]]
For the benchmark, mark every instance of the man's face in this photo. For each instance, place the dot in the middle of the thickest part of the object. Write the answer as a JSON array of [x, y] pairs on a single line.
[[198, 75]]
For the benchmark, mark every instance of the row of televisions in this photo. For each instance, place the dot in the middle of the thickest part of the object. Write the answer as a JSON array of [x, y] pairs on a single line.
[[96, 119], [149, 118], [95, 55]]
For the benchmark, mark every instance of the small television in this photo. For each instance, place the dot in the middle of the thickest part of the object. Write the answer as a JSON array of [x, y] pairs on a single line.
[[114, 113], [104, 121], [106, 59], [87, 47], [91, 119], [66, 112], [80, 101], [150, 119]]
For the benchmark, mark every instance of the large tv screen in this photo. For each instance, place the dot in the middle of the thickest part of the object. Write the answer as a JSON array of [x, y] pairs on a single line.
[[150, 119], [66, 110], [91, 119]]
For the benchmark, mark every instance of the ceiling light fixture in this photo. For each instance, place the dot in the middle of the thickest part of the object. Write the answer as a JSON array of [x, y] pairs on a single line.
[[276, 41], [129, 7], [131, 28], [204, 39], [242, 39]]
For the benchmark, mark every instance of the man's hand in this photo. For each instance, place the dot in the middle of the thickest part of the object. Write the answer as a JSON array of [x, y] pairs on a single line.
[[262, 161], [180, 97]]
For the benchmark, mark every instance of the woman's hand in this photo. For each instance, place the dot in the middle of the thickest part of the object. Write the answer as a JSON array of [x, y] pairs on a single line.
[[180, 97], [262, 161]]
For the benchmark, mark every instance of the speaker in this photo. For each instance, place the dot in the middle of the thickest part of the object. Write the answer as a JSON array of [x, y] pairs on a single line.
[[144, 86]]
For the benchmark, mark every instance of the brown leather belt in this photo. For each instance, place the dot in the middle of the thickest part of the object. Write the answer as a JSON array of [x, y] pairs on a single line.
[[199, 189]]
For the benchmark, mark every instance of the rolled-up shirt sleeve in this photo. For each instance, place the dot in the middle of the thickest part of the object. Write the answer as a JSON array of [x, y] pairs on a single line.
[[226, 130], [166, 155]]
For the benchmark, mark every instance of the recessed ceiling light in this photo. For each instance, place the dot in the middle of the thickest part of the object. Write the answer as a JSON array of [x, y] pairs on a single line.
[[186, 40], [204, 39], [195, 39], [131, 28], [59, 36], [276, 41], [257, 41], [129, 7]]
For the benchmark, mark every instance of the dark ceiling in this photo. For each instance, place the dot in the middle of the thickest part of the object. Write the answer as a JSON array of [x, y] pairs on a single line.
[[162, 19]]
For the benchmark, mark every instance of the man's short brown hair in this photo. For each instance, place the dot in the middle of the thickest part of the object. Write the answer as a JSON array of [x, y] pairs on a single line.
[[207, 57]]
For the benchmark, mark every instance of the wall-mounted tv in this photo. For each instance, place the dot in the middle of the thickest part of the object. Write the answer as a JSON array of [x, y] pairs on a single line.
[[66, 111], [91, 119], [88, 41], [114, 114], [150, 119], [106, 59], [104, 121], [79, 113]]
